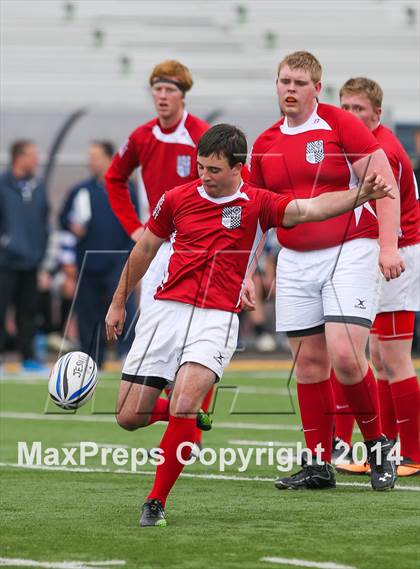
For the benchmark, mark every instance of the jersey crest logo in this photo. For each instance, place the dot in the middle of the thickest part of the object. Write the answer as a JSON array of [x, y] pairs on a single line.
[[315, 151], [183, 166], [231, 217]]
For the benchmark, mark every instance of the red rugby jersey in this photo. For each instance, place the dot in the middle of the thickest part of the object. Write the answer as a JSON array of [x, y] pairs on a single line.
[[167, 158], [213, 240], [409, 194], [312, 159]]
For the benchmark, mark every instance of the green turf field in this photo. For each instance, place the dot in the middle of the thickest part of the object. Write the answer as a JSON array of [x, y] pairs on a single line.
[[215, 520]]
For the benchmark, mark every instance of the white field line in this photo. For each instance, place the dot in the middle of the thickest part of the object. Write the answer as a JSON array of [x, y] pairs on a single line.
[[25, 381], [258, 426], [251, 390], [113, 384], [86, 470], [241, 442], [111, 419], [305, 563], [103, 384], [13, 562], [57, 416]]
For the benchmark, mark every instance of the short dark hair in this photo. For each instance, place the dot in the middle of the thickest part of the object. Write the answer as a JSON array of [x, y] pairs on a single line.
[[224, 140], [107, 146], [18, 148]]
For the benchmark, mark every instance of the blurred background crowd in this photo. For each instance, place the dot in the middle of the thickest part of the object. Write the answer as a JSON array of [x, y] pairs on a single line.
[[74, 83]]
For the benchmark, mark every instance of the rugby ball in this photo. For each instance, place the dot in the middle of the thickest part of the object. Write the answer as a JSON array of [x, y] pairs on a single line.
[[73, 380]]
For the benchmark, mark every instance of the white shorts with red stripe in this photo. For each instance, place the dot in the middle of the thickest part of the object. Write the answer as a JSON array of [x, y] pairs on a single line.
[[403, 293]]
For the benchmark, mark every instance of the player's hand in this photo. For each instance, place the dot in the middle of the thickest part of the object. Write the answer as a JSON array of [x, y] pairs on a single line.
[[78, 229], [374, 187], [248, 297], [135, 236], [44, 281], [391, 263], [114, 321]]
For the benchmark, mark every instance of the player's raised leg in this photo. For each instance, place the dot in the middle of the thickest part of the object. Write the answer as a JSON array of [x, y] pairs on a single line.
[[139, 404]]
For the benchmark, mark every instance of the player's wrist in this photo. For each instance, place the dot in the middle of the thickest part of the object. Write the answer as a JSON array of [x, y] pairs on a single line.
[[137, 233], [388, 248], [118, 301]]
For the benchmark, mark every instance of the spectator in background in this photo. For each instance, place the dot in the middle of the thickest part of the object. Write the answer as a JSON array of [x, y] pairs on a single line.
[[23, 241], [101, 251]]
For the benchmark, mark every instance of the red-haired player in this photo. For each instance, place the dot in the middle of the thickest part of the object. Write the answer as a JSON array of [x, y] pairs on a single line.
[[165, 150]]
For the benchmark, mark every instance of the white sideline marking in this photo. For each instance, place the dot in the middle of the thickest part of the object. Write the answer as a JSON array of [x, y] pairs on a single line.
[[304, 563], [240, 442], [258, 426], [12, 562], [113, 384], [251, 390], [87, 470], [57, 416]]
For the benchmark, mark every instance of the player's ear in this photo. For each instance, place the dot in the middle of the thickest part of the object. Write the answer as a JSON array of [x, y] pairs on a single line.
[[318, 87], [378, 111], [238, 168]]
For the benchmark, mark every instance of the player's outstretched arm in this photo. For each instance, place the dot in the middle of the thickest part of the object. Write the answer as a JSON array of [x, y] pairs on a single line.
[[335, 203], [136, 266]]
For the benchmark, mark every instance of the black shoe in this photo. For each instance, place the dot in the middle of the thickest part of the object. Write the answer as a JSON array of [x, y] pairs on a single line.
[[383, 472], [311, 477], [338, 455], [153, 514]]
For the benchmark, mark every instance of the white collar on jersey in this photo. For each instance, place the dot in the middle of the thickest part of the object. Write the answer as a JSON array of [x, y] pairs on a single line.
[[314, 122], [179, 136], [225, 199]]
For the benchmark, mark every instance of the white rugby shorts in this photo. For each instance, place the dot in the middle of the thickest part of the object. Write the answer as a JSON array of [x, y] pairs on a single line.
[[154, 275], [169, 334], [336, 284], [403, 293]]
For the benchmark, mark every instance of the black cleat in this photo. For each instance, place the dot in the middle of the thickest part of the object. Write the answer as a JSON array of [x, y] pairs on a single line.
[[311, 477], [153, 514], [383, 472], [338, 454]]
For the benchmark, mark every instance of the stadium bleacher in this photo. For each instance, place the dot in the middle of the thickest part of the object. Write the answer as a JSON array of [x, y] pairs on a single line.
[[52, 61]]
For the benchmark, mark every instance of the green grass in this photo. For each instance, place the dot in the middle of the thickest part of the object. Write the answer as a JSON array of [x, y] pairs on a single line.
[[93, 516]]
